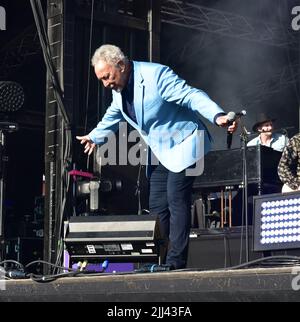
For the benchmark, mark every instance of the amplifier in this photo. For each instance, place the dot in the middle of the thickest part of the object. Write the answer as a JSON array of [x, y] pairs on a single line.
[[117, 238], [219, 248], [224, 248]]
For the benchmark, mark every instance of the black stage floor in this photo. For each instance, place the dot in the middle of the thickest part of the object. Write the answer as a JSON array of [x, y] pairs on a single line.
[[264, 284]]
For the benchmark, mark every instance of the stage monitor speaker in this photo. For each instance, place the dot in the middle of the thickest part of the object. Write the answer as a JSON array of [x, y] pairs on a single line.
[[218, 248], [224, 248], [116, 238]]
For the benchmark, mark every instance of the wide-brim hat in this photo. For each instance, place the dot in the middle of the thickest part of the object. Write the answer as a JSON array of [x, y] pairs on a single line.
[[261, 119]]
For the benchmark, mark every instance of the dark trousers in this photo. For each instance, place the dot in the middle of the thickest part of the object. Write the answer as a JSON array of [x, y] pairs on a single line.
[[170, 199]]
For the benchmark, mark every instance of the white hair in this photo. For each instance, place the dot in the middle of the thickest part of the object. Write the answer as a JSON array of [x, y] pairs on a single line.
[[110, 54]]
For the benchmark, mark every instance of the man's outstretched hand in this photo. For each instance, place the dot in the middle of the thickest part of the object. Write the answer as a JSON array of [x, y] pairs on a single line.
[[89, 144]]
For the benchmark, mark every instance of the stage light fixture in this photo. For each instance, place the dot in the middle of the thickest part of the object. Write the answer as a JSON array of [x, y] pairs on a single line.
[[277, 222], [11, 96]]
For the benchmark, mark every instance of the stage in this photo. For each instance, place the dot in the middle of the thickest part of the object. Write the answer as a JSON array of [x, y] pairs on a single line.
[[247, 285], [56, 199]]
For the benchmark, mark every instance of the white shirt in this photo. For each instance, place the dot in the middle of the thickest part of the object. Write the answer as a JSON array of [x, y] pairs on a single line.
[[277, 143]]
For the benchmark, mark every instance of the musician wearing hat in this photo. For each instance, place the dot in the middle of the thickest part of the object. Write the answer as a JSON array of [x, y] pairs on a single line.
[[267, 137]]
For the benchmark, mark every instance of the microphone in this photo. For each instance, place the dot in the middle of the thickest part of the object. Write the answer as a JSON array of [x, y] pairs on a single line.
[[283, 130], [232, 116]]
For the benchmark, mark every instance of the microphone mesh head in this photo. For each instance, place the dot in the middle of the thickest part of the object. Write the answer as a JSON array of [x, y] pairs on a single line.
[[231, 116], [11, 96]]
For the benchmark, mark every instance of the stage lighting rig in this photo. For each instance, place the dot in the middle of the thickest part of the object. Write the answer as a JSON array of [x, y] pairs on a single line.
[[11, 99], [86, 185], [11, 96]]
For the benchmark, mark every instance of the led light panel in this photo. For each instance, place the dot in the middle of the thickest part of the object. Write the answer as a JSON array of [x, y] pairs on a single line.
[[277, 222]]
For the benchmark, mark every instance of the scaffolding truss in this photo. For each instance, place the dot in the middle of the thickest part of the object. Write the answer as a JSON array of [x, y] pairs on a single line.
[[262, 90], [196, 17], [16, 52]]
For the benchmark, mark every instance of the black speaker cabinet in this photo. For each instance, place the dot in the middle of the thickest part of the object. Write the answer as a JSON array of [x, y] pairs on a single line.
[[219, 248], [24, 250], [224, 248]]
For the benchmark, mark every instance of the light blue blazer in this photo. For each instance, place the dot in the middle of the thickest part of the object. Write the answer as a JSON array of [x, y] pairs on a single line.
[[167, 112]]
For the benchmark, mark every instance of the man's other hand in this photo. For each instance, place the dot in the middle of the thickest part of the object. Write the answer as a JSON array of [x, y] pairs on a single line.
[[89, 144]]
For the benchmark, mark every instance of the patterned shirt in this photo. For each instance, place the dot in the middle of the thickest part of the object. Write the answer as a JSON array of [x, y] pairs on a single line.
[[289, 165]]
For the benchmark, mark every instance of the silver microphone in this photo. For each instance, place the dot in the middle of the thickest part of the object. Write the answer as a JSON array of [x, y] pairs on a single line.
[[232, 116]]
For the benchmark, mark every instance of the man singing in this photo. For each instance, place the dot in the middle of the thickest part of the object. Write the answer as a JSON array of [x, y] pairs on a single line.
[[160, 105]]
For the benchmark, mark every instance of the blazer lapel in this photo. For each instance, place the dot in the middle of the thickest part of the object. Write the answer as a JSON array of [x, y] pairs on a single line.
[[138, 95], [119, 101]]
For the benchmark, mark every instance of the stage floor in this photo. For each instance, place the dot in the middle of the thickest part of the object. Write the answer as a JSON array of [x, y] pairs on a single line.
[[265, 284]]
